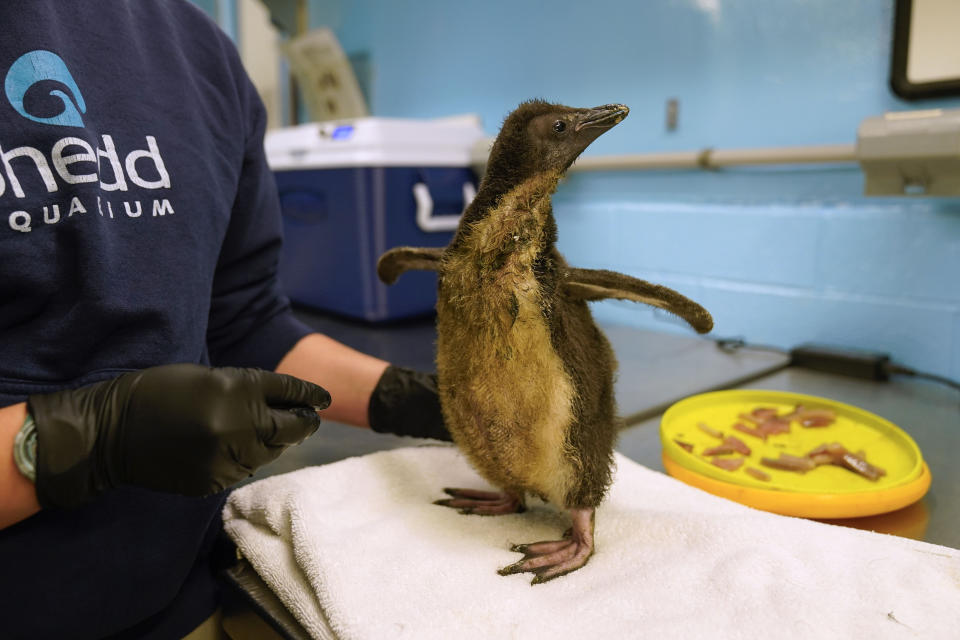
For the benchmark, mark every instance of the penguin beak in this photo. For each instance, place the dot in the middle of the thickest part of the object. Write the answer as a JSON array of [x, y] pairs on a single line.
[[603, 118]]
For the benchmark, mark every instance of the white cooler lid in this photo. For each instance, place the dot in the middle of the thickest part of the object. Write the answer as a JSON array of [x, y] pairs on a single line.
[[375, 142]]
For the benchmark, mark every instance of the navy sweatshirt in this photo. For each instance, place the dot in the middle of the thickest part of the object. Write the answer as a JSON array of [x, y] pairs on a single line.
[[139, 225]]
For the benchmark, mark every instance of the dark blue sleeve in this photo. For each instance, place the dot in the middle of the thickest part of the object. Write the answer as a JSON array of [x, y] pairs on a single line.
[[251, 323]]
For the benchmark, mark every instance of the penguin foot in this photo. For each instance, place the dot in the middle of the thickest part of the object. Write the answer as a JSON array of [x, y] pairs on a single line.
[[482, 503], [554, 558]]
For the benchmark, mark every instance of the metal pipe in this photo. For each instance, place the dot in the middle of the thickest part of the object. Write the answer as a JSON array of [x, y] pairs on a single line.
[[716, 159], [704, 159]]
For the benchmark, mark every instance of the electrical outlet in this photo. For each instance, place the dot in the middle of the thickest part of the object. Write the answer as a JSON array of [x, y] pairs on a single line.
[[673, 114]]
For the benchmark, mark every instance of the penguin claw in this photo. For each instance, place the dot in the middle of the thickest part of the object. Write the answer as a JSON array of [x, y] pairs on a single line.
[[482, 503], [540, 548], [473, 493], [511, 569], [550, 560], [554, 558]]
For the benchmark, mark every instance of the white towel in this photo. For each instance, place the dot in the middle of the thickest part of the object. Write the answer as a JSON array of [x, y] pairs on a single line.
[[357, 547]]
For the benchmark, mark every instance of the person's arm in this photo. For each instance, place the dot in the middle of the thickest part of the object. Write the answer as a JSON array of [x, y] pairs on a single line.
[[18, 496], [349, 375], [179, 428], [367, 391]]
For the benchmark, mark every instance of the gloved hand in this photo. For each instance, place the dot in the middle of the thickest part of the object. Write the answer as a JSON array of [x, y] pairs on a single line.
[[405, 402], [180, 428]]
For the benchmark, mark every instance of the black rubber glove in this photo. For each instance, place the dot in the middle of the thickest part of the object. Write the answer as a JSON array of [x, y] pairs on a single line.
[[405, 402], [180, 428]]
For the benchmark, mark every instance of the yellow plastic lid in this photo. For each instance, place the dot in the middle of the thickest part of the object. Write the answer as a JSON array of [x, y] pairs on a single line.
[[828, 491]]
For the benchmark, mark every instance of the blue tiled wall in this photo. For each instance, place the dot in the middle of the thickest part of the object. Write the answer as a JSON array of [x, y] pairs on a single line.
[[779, 255]]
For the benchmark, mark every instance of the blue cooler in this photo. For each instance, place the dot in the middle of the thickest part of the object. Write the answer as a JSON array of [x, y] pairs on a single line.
[[350, 190]]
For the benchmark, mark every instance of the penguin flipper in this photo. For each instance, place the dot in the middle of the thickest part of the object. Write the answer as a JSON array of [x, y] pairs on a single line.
[[600, 284], [396, 261]]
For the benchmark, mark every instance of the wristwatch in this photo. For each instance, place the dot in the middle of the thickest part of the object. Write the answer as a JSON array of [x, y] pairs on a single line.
[[25, 449]]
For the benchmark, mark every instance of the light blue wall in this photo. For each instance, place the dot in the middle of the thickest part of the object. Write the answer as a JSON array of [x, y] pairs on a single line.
[[779, 255]]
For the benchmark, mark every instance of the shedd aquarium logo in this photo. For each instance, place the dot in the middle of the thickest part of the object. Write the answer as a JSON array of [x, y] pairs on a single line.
[[37, 66], [40, 88]]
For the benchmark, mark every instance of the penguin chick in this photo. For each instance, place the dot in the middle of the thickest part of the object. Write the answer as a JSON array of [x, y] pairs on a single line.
[[525, 375]]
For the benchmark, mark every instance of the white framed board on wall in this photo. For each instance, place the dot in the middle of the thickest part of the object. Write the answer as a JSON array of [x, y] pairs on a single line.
[[926, 49]]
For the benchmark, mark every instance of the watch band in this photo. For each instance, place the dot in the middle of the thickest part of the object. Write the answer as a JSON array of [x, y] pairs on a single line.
[[25, 449]]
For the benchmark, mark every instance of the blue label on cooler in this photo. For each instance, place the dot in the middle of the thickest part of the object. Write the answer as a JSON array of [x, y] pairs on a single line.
[[343, 132]]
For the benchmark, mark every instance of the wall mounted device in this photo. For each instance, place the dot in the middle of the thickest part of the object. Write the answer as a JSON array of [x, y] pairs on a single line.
[[911, 152]]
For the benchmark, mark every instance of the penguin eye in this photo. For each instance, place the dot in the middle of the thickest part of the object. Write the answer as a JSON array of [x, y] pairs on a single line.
[[559, 126]]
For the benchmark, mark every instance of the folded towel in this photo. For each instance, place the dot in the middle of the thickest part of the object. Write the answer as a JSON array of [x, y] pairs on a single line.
[[357, 547]]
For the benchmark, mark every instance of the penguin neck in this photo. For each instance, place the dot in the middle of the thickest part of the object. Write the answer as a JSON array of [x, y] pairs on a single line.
[[507, 214], [518, 222]]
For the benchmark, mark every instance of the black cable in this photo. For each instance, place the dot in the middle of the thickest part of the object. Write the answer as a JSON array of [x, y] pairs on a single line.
[[904, 371], [729, 345], [867, 365]]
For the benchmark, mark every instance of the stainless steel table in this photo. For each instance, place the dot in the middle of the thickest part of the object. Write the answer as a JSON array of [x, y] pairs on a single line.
[[656, 370]]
